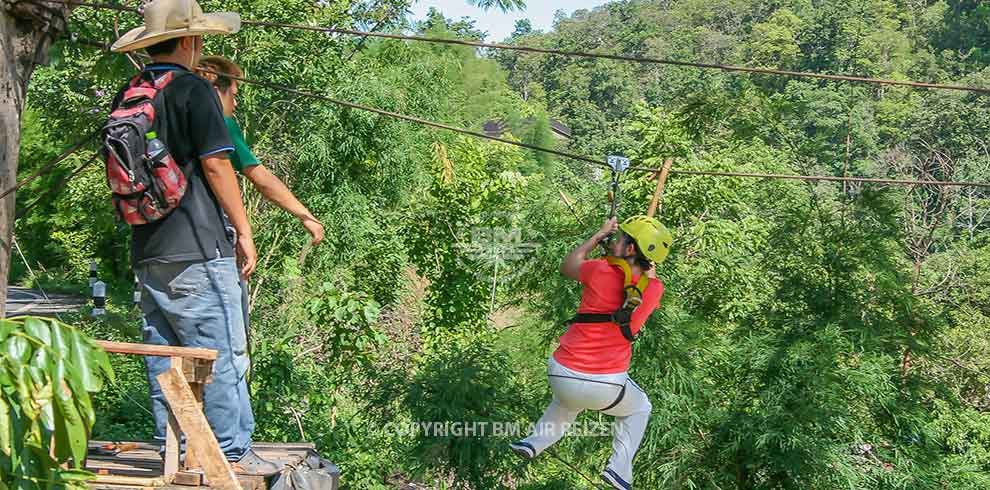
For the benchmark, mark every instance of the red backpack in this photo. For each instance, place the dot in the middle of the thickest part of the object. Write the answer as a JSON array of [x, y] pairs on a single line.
[[146, 182]]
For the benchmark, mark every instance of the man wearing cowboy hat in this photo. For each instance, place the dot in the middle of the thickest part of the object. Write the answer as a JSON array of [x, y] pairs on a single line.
[[186, 262]]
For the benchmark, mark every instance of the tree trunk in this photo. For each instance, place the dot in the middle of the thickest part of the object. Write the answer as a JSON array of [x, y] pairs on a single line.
[[26, 32]]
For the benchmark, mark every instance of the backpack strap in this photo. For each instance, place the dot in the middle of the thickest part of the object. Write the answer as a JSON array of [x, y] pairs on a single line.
[[161, 82], [147, 85]]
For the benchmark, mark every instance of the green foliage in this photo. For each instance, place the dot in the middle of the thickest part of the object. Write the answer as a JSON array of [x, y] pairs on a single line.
[[49, 371], [465, 387], [349, 320], [472, 189], [812, 335]]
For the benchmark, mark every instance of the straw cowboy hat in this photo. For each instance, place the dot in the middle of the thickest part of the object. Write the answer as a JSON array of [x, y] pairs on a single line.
[[169, 19]]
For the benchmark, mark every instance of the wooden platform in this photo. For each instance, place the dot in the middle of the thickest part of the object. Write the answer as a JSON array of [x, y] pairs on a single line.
[[141, 465]]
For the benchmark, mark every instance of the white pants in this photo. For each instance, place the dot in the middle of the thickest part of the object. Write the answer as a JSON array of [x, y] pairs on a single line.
[[574, 392]]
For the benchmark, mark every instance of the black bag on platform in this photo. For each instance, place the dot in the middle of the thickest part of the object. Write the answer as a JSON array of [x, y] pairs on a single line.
[[312, 473]]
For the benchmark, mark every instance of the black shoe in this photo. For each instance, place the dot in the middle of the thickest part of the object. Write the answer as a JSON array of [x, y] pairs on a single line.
[[252, 464], [523, 449], [613, 479]]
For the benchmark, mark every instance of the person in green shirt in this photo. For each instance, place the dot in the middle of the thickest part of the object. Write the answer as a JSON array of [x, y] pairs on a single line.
[[243, 160]]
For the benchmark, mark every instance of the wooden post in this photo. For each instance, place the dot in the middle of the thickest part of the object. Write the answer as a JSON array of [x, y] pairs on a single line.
[[173, 438], [196, 372], [200, 440], [661, 183], [192, 458]]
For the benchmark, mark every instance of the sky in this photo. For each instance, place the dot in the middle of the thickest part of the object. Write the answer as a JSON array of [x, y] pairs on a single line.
[[500, 25]]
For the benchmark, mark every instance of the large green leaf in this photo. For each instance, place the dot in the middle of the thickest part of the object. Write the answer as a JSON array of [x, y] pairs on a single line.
[[59, 342], [6, 381], [41, 369], [84, 404], [79, 354], [99, 358], [24, 387], [17, 348], [39, 329], [40, 366], [73, 432], [47, 372], [46, 406]]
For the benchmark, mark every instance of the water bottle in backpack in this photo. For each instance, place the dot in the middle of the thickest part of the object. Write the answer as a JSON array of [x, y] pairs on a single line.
[[157, 153]]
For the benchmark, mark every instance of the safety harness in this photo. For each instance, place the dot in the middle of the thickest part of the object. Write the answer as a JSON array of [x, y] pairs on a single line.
[[633, 298]]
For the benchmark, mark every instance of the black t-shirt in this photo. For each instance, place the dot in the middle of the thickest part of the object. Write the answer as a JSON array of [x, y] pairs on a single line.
[[189, 120]]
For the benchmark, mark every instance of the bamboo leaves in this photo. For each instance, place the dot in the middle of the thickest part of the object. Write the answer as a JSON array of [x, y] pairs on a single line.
[[47, 372]]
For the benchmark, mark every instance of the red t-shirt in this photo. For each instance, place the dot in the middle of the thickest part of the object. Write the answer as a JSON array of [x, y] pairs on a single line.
[[600, 348]]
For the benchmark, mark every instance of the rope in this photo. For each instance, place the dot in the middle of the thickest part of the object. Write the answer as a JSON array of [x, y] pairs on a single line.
[[586, 159], [574, 54], [48, 166], [58, 186]]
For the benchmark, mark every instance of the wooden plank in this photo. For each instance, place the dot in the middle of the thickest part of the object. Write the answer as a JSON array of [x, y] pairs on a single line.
[[188, 478], [127, 480], [157, 350], [199, 437], [127, 446], [104, 486]]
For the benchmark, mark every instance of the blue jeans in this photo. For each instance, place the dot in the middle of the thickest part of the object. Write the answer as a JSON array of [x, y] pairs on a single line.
[[198, 304]]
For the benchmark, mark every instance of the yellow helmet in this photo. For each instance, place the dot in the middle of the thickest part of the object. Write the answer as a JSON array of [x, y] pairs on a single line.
[[650, 235]]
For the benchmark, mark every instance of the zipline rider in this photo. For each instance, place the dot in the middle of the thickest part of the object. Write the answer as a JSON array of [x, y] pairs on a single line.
[[589, 371]]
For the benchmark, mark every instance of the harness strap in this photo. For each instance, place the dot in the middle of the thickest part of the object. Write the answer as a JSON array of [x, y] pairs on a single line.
[[618, 399], [631, 290], [591, 318], [621, 318], [622, 264], [585, 379]]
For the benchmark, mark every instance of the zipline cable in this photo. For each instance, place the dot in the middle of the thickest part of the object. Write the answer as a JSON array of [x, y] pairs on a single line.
[[619, 57], [829, 178], [582, 158], [404, 117], [573, 54]]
